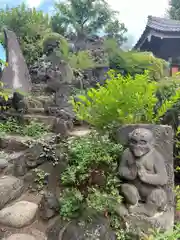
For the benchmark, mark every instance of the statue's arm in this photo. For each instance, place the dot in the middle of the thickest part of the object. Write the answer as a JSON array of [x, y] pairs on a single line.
[[124, 170], [160, 177]]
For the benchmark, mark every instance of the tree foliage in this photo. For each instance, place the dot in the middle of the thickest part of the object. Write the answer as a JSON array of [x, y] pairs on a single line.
[[55, 39], [131, 62], [116, 30], [29, 25], [81, 60], [174, 9], [86, 18]]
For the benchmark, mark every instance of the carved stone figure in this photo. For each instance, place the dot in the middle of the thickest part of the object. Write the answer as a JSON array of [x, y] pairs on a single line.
[[144, 171]]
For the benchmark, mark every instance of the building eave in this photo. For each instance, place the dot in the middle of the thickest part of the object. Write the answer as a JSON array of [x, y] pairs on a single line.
[[159, 27]]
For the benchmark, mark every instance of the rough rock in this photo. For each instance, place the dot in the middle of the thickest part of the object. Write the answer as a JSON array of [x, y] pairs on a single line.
[[19, 214], [61, 127], [10, 189], [48, 206], [13, 76], [13, 143], [21, 237], [3, 163], [98, 229], [29, 158]]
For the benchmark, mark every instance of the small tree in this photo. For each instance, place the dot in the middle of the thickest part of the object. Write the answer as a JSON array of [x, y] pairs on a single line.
[[122, 100], [30, 25]]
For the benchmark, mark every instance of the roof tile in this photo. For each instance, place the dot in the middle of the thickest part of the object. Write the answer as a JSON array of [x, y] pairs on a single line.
[[163, 24]]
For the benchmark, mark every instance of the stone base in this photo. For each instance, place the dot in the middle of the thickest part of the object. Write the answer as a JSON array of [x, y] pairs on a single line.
[[164, 220]]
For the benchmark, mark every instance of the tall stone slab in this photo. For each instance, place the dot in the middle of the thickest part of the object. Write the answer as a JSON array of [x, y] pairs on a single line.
[[16, 75], [163, 146]]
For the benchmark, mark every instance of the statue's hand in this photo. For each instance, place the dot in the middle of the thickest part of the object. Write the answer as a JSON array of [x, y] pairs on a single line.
[[133, 170], [142, 173]]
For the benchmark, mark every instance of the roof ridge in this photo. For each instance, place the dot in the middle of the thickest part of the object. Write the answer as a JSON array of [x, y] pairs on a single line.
[[163, 24], [164, 19]]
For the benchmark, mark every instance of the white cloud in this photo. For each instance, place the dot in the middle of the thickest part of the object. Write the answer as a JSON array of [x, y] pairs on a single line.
[[33, 3], [134, 13]]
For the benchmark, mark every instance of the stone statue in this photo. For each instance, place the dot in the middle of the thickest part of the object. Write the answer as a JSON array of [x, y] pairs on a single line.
[[144, 173]]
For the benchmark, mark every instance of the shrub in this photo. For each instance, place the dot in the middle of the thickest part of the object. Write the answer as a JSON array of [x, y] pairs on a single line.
[[71, 202], [81, 60], [34, 129], [166, 89], [90, 177], [136, 63], [158, 235], [50, 39], [122, 100]]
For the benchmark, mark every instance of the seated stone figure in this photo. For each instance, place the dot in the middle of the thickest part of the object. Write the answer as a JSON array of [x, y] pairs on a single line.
[[144, 173]]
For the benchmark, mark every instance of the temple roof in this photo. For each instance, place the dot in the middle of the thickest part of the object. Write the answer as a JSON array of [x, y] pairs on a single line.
[[163, 24], [161, 27]]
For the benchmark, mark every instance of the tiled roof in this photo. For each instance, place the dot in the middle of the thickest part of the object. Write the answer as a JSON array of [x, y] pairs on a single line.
[[163, 24]]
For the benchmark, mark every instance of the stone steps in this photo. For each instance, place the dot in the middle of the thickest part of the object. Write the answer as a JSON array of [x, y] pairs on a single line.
[[36, 111], [48, 120], [19, 208]]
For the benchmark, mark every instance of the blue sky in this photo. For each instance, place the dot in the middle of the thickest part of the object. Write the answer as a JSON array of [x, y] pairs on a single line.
[[132, 12]]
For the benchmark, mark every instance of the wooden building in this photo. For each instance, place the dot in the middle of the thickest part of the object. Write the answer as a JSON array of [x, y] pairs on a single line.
[[162, 37]]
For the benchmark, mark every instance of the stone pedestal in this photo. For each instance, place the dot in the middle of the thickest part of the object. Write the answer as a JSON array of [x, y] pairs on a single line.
[[163, 136]]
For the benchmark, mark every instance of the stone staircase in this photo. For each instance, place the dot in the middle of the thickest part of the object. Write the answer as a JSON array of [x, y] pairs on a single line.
[[20, 202], [22, 208]]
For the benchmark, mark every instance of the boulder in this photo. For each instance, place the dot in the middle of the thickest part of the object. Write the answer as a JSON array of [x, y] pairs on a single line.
[[3, 163], [49, 206], [98, 229], [18, 215], [21, 237], [10, 189]]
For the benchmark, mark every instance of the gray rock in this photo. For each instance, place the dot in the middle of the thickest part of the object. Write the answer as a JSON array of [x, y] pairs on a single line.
[[49, 205], [13, 76], [98, 229], [61, 127], [3, 163], [19, 214], [29, 158], [10, 189], [21, 237]]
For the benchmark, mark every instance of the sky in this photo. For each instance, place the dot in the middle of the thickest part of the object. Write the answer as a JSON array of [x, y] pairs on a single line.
[[132, 12]]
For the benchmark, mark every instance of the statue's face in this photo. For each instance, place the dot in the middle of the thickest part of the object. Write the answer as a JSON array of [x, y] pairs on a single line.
[[140, 142]]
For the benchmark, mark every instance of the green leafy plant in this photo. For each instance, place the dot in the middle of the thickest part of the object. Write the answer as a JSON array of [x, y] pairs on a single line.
[[81, 60], [90, 177], [33, 129], [88, 153], [103, 201], [123, 100], [131, 62], [173, 234], [122, 232], [40, 178], [177, 191], [71, 202]]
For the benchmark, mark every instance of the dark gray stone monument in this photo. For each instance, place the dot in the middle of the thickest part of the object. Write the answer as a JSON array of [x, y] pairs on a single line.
[[16, 75], [147, 173]]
